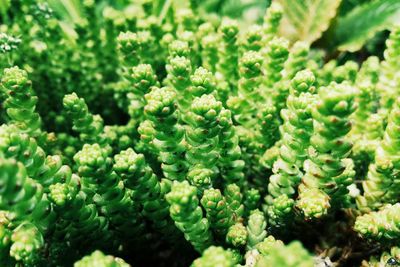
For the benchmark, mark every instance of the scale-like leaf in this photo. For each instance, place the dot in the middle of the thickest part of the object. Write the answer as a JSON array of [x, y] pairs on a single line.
[[363, 22], [306, 20]]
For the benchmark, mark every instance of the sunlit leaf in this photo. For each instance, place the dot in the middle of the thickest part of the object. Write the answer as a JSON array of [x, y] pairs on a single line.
[[363, 22], [306, 20]]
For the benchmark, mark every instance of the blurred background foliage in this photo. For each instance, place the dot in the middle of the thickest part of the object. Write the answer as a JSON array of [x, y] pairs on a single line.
[[343, 28], [333, 25]]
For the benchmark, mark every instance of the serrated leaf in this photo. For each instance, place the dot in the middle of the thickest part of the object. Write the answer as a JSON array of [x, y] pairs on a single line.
[[363, 22], [306, 20]]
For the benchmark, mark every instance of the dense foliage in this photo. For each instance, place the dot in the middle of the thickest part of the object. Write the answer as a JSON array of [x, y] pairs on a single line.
[[164, 135]]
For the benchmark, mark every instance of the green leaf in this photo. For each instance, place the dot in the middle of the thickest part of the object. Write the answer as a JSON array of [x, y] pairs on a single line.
[[69, 10], [69, 32], [363, 22], [306, 20], [4, 6], [236, 8], [163, 9]]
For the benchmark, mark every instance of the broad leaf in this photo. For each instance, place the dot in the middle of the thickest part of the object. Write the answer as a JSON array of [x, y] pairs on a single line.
[[68, 10], [236, 8], [4, 6], [306, 20], [363, 22]]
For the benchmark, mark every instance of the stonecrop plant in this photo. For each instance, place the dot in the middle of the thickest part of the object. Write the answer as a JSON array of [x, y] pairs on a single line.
[[165, 133]]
